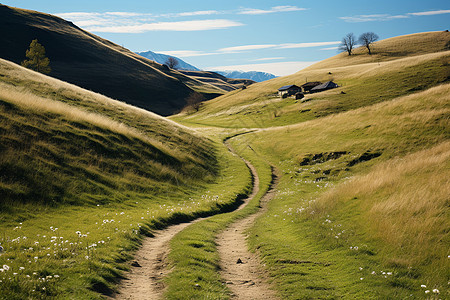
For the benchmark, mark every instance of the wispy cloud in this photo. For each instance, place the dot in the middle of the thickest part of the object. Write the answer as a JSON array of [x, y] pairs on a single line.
[[268, 58], [306, 45], [197, 25], [329, 48], [430, 13], [245, 48], [370, 18], [237, 49], [276, 9], [387, 17], [193, 13], [132, 22]]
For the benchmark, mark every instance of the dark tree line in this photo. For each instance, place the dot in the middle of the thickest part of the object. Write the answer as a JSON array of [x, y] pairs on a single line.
[[349, 42]]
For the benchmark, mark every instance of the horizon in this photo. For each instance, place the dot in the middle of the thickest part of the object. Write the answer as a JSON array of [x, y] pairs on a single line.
[[267, 36]]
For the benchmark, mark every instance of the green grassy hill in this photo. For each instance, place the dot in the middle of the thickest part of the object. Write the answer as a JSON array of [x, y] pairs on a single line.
[[98, 148], [399, 66], [361, 210], [91, 62], [99, 174]]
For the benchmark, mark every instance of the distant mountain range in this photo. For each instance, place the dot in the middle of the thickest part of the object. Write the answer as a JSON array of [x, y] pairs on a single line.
[[182, 65], [253, 75], [162, 59]]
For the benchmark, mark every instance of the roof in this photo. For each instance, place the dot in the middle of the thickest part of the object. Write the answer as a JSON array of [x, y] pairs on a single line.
[[312, 83], [287, 87], [325, 86]]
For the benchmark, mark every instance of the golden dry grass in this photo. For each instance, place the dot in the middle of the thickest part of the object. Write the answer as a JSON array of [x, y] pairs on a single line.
[[404, 204], [363, 78]]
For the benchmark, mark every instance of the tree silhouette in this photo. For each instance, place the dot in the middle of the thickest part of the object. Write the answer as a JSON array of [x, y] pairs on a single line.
[[172, 62], [37, 60], [366, 39], [347, 43]]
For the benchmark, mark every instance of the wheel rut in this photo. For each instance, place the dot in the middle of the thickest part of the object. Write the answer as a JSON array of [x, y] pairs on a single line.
[[150, 265], [241, 269]]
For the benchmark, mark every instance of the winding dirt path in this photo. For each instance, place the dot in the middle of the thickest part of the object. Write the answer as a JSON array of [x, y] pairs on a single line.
[[149, 266], [144, 281], [241, 268]]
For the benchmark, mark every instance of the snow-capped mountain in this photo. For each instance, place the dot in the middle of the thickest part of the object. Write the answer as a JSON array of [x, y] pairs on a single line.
[[162, 59], [253, 75]]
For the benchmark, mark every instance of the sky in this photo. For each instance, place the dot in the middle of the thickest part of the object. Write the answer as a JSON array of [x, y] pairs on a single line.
[[276, 36]]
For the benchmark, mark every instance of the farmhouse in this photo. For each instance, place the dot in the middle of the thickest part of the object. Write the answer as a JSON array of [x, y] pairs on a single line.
[[289, 90], [324, 86], [309, 85]]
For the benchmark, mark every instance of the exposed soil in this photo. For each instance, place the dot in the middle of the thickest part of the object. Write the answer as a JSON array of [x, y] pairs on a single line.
[[242, 269], [149, 267]]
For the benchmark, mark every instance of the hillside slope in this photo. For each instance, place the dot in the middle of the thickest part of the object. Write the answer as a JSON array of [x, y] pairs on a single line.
[[81, 58], [99, 149], [220, 81], [361, 209], [399, 66]]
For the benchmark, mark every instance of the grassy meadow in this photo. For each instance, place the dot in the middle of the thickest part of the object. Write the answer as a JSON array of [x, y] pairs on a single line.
[[361, 210], [363, 80], [84, 178], [353, 224]]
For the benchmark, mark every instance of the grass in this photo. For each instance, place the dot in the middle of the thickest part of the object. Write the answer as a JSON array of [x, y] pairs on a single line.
[[363, 80], [361, 209], [84, 178], [356, 225], [194, 258]]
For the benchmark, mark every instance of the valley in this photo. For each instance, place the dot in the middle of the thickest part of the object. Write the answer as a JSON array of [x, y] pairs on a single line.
[[340, 194]]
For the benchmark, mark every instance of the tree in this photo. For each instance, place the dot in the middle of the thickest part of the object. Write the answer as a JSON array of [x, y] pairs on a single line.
[[367, 39], [172, 62], [36, 58], [347, 43], [194, 101]]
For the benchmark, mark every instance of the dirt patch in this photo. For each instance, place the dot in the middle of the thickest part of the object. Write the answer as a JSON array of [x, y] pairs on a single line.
[[150, 266], [241, 269], [144, 281], [366, 156], [312, 159]]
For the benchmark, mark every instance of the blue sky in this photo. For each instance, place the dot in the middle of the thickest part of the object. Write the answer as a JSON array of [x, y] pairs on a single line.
[[277, 36]]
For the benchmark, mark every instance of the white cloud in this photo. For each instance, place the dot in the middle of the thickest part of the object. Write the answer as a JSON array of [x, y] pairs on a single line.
[[125, 14], [276, 9], [387, 17], [430, 13], [306, 45], [236, 49], [278, 68], [196, 25], [193, 13], [370, 18], [330, 48], [268, 58], [134, 22], [245, 48]]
